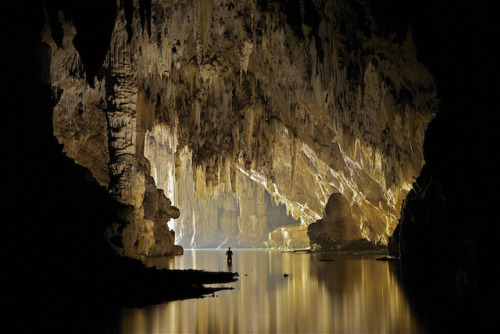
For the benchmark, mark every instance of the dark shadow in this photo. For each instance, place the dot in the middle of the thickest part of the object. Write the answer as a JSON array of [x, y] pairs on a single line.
[[447, 298], [60, 274]]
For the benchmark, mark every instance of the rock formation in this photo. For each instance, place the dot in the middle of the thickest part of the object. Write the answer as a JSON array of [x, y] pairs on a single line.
[[235, 108], [338, 226]]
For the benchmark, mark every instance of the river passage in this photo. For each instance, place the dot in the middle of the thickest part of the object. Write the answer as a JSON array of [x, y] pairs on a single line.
[[282, 292]]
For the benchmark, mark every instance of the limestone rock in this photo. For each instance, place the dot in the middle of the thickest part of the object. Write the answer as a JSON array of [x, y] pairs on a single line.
[[306, 102], [178, 250], [289, 237], [338, 227]]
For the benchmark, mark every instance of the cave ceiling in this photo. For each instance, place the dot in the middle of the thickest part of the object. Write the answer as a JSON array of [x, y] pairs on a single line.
[[246, 116]]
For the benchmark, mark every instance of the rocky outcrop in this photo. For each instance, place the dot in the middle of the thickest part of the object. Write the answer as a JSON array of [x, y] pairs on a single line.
[[338, 225], [338, 230], [306, 99]]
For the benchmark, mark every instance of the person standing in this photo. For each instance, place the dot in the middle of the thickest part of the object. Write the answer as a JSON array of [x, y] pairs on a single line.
[[229, 255]]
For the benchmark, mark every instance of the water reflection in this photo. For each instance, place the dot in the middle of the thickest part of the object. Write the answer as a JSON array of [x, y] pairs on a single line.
[[283, 293]]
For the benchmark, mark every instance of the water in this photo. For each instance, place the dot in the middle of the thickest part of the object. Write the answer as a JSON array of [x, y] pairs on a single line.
[[282, 293]]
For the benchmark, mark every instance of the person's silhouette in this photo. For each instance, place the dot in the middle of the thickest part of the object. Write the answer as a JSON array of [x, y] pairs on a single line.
[[229, 254]]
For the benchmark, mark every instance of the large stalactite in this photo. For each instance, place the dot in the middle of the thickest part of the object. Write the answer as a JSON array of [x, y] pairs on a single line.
[[241, 113]]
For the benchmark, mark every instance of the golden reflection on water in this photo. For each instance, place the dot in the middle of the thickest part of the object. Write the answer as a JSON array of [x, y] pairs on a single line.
[[351, 294]]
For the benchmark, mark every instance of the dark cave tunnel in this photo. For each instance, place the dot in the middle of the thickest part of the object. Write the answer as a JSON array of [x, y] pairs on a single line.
[[45, 189]]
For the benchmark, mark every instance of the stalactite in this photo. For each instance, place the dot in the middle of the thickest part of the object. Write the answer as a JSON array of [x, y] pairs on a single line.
[[232, 92]]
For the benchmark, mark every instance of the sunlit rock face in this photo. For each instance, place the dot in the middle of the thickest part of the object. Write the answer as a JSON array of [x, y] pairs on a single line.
[[234, 108]]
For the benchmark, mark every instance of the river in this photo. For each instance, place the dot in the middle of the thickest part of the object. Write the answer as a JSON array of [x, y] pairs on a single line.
[[282, 292]]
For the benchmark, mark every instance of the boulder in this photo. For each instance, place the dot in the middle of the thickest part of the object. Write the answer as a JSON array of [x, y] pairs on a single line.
[[338, 228]]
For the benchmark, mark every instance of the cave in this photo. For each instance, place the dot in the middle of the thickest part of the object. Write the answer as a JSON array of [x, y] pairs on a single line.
[[138, 129], [216, 112]]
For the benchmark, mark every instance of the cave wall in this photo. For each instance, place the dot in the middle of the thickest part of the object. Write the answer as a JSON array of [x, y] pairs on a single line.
[[450, 210], [102, 126], [306, 99], [447, 235], [239, 212]]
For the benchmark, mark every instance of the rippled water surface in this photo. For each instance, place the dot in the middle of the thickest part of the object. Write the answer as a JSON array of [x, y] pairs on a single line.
[[281, 292]]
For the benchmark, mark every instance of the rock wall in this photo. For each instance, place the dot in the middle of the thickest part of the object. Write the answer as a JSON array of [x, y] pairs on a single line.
[[102, 126], [237, 213], [305, 98]]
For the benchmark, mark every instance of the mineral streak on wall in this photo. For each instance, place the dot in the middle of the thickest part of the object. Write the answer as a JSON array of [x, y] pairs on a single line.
[[306, 99]]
